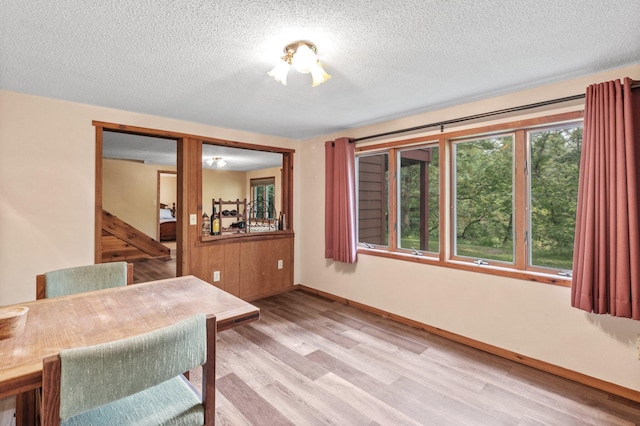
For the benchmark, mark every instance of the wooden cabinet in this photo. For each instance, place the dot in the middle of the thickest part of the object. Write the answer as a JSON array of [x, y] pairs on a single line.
[[249, 267], [259, 266]]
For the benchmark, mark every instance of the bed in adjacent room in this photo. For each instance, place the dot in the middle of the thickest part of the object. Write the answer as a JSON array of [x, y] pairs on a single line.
[[167, 222]]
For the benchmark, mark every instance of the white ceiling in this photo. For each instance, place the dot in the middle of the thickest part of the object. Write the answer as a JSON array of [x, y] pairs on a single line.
[[206, 61], [151, 150]]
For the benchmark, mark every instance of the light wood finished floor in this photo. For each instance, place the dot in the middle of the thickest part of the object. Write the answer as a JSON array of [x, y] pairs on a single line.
[[310, 361]]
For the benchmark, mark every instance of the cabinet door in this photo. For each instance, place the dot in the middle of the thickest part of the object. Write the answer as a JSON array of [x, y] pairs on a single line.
[[225, 259], [259, 266]]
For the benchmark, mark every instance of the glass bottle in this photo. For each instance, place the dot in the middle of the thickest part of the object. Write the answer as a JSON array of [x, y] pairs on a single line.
[[215, 223]]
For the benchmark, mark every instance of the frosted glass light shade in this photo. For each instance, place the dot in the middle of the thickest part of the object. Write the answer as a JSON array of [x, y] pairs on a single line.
[[304, 59], [318, 75], [302, 55], [279, 73]]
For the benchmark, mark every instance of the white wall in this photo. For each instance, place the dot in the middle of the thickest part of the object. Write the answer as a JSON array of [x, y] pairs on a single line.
[[529, 318], [47, 183]]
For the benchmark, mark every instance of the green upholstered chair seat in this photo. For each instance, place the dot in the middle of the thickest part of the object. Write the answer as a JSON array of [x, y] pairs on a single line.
[[170, 403]]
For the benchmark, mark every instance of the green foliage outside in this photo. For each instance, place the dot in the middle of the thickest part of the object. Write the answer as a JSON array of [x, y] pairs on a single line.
[[263, 196], [483, 185], [484, 198], [555, 164], [410, 207]]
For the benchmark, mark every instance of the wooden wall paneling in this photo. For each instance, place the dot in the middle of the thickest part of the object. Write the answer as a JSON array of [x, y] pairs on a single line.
[[189, 187], [231, 271], [287, 188], [215, 261], [97, 253], [252, 264]]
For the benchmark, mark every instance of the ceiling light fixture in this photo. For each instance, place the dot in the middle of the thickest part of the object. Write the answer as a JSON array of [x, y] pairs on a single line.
[[303, 56], [218, 160]]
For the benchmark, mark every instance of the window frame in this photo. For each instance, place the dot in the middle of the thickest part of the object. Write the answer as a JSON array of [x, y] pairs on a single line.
[[263, 182], [388, 189], [452, 195], [398, 160], [520, 128], [528, 258]]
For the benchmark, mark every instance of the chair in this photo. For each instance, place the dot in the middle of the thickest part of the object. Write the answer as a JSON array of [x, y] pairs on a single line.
[[83, 278], [137, 380]]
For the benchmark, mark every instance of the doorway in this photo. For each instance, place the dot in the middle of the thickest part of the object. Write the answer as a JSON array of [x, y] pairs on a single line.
[[130, 201]]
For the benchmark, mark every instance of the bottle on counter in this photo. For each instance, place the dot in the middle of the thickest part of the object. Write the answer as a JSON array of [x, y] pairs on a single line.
[[215, 223]]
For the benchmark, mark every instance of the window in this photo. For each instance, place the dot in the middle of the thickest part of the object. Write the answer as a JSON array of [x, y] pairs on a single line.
[[553, 187], [263, 197], [373, 199], [506, 207], [483, 188], [419, 195]]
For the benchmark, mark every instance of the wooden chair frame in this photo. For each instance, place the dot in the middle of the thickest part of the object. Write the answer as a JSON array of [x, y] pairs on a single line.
[[50, 407], [41, 282]]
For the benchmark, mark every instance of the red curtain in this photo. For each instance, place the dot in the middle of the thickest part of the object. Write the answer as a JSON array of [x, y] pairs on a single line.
[[340, 201], [606, 259]]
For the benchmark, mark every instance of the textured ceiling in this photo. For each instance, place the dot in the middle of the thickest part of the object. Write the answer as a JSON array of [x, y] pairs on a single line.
[[150, 150], [206, 61]]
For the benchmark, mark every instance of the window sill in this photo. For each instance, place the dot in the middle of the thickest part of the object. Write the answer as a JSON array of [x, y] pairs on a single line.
[[467, 266]]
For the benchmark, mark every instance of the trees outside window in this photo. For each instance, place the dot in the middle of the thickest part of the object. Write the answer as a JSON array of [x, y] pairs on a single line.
[[503, 199], [555, 163], [419, 201], [263, 197], [483, 194]]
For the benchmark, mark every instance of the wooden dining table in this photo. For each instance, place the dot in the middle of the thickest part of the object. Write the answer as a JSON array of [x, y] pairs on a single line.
[[101, 316]]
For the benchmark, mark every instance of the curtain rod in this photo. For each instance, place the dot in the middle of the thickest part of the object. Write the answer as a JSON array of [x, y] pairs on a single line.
[[441, 124]]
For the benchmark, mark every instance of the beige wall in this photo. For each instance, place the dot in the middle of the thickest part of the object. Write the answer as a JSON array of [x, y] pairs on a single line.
[[47, 182], [46, 222], [532, 319], [223, 184], [168, 187], [130, 192]]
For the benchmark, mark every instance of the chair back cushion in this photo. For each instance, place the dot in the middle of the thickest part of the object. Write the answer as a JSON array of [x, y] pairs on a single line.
[[96, 375], [85, 278]]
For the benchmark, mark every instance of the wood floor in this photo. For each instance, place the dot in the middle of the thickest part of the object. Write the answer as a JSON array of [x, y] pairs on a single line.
[[153, 269], [310, 361]]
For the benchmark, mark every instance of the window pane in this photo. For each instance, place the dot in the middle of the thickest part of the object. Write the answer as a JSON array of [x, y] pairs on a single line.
[[262, 198], [555, 162], [483, 185], [373, 206], [419, 193]]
